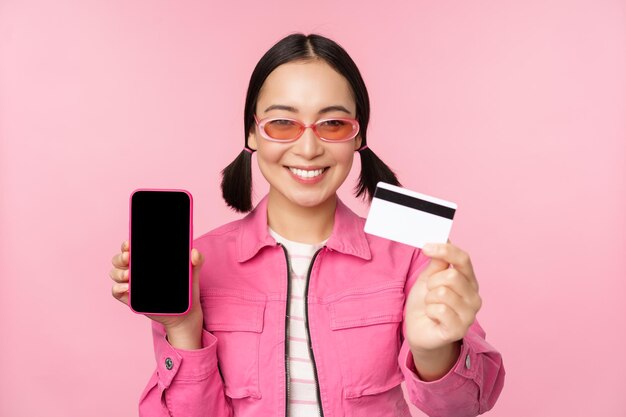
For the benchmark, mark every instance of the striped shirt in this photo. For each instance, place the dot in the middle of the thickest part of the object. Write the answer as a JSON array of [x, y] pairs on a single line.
[[303, 399]]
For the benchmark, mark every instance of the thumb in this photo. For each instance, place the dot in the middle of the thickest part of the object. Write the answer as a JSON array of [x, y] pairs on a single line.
[[197, 259], [434, 265]]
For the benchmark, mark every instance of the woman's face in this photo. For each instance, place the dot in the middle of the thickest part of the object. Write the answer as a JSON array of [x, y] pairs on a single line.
[[306, 91]]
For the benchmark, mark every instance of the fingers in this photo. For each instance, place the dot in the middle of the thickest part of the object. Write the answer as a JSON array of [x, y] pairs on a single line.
[[459, 259], [450, 324], [449, 253], [120, 292], [119, 275], [434, 265], [464, 309], [120, 260], [455, 281]]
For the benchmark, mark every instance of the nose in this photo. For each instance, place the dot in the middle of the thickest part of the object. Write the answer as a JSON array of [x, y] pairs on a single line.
[[308, 145]]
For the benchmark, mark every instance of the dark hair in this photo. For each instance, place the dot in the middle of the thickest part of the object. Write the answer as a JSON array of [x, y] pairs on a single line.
[[237, 177]]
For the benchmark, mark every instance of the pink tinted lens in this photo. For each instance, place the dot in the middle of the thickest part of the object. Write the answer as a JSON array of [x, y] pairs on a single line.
[[282, 129], [336, 129]]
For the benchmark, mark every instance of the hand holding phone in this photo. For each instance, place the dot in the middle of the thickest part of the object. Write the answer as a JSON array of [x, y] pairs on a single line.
[[188, 325], [160, 270]]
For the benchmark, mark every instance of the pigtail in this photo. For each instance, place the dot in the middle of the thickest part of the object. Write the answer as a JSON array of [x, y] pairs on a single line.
[[237, 182], [373, 170]]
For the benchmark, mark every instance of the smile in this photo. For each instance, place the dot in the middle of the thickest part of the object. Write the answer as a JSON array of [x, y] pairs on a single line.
[[307, 174]]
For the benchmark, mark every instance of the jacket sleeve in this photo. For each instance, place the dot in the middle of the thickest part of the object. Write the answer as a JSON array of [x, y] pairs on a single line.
[[186, 383], [473, 384]]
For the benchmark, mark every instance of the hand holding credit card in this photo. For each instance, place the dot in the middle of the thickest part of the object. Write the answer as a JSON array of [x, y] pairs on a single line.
[[409, 217]]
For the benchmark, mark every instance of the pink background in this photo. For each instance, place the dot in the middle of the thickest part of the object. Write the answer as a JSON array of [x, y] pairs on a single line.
[[515, 110]]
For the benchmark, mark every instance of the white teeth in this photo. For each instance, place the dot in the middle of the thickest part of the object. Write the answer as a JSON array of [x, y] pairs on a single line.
[[306, 174]]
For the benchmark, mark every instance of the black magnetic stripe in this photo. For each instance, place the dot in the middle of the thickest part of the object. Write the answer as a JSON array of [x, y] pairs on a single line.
[[414, 202]]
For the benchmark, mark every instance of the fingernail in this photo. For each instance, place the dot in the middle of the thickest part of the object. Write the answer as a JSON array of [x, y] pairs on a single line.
[[123, 287]]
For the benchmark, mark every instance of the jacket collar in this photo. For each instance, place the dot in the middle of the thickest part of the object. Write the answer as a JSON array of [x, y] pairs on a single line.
[[347, 235]]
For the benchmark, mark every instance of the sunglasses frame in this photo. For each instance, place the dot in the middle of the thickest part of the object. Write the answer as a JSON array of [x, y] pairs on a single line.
[[261, 125]]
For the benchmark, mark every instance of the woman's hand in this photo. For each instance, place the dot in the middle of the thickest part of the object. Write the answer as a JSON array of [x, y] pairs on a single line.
[[190, 322], [442, 304]]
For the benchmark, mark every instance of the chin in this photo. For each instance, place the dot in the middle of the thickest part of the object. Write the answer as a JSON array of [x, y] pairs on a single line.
[[309, 201]]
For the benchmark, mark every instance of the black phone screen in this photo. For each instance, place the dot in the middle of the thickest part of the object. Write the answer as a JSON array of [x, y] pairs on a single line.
[[160, 244]]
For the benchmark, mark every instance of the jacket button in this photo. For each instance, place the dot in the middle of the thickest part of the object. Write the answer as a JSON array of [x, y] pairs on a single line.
[[467, 361], [168, 363]]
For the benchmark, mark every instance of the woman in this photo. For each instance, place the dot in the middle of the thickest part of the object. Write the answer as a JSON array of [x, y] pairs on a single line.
[[297, 311]]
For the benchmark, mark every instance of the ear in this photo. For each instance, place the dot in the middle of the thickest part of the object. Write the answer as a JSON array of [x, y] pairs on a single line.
[[252, 144], [357, 142]]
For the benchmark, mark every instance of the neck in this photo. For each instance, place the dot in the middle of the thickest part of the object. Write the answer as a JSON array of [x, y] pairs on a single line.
[[301, 224]]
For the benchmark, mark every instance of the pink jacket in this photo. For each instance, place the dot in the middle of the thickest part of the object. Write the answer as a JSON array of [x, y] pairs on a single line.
[[357, 287]]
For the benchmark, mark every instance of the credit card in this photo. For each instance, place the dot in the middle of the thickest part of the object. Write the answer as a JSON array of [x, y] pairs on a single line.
[[409, 217]]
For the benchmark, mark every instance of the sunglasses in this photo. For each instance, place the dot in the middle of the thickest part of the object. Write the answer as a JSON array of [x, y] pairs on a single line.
[[281, 129]]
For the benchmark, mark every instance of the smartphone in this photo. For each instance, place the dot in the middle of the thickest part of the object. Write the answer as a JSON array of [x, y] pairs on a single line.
[[160, 267]]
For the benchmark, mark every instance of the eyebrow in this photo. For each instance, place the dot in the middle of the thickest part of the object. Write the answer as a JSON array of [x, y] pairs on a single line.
[[334, 108], [294, 110], [281, 107]]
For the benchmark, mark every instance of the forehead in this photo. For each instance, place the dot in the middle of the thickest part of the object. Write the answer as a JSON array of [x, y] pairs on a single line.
[[308, 86]]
